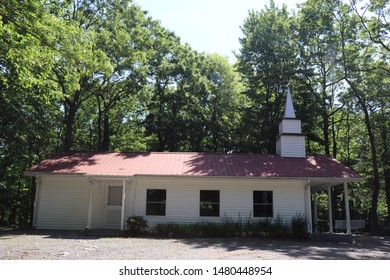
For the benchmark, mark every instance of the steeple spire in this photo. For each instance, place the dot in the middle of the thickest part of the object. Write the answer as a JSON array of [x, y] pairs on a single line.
[[291, 141], [289, 112]]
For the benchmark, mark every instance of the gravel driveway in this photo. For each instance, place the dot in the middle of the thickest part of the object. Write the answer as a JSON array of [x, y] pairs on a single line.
[[60, 245]]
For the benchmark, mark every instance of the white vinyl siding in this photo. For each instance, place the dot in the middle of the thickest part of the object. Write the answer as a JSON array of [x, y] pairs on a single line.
[[290, 126], [236, 198], [63, 200], [63, 203], [291, 146]]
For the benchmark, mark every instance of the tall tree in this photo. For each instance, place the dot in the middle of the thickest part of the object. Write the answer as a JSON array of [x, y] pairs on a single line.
[[267, 62], [358, 57], [28, 102], [78, 60], [224, 105], [175, 84], [374, 17], [124, 37], [320, 53]]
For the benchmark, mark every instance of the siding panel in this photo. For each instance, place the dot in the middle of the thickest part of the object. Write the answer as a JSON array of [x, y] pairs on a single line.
[[63, 203], [291, 146], [290, 126], [64, 200], [236, 198]]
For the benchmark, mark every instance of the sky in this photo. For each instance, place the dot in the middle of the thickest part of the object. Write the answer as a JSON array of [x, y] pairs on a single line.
[[211, 26]]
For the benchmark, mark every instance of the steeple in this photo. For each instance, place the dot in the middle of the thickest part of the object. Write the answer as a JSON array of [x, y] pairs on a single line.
[[289, 110], [291, 141]]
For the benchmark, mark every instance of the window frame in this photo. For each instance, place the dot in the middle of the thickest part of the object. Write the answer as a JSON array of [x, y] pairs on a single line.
[[206, 213], [267, 204], [149, 210]]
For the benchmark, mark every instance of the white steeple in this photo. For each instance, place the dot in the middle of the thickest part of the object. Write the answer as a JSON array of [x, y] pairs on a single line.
[[290, 142], [289, 110]]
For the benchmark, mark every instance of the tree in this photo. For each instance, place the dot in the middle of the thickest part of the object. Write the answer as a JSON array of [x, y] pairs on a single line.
[[373, 17], [267, 62], [376, 27], [78, 60], [358, 56], [320, 53], [175, 85], [26, 97], [224, 106], [123, 36]]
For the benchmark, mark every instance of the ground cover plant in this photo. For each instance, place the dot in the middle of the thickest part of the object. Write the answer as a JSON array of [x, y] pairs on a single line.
[[266, 228]]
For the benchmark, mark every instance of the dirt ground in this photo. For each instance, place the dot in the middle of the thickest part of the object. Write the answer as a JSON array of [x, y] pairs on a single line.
[[66, 245]]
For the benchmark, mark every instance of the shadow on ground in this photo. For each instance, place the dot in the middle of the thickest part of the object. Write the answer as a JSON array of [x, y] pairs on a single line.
[[363, 246], [63, 234]]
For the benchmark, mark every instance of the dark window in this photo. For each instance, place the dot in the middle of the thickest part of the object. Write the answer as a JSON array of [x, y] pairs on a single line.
[[209, 203], [262, 204], [155, 202]]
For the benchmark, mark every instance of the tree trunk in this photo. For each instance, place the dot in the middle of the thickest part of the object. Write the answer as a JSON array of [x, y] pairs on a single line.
[[334, 138], [106, 132], [386, 169], [375, 193], [69, 121], [387, 189], [99, 124], [71, 107], [33, 189]]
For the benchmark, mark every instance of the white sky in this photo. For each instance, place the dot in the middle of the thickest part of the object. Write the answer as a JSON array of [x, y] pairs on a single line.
[[211, 26]]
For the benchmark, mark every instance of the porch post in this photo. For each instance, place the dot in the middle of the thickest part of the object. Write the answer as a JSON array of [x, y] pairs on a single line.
[[315, 210], [330, 209], [308, 208], [347, 213], [123, 204], [89, 219]]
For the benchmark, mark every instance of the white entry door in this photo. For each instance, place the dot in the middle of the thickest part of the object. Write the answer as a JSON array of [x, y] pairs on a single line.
[[113, 207]]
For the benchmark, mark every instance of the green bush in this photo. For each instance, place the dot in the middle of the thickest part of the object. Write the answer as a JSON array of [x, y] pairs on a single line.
[[171, 230], [136, 224], [299, 226], [279, 228], [264, 228]]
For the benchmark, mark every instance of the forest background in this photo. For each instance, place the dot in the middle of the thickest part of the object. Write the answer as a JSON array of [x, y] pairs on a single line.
[[102, 75]]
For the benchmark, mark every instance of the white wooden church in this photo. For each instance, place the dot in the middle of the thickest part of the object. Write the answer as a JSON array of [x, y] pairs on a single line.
[[99, 190]]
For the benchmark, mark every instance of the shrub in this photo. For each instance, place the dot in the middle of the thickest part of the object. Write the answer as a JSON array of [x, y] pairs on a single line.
[[136, 224], [299, 226], [260, 228], [265, 228], [171, 230], [279, 227]]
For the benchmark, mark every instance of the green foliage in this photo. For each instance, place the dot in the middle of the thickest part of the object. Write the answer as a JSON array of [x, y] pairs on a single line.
[[227, 228], [136, 224], [299, 226], [268, 62], [103, 75]]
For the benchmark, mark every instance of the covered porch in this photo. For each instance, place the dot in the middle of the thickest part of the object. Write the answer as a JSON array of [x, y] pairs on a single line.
[[336, 230], [109, 194]]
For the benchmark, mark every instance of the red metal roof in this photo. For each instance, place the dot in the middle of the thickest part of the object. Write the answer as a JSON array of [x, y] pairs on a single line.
[[194, 164]]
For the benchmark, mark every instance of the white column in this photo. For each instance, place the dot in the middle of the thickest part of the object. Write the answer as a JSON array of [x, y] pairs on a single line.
[[330, 209], [89, 219], [315, 210], [308, 209], [347, 213], [123, 204]]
